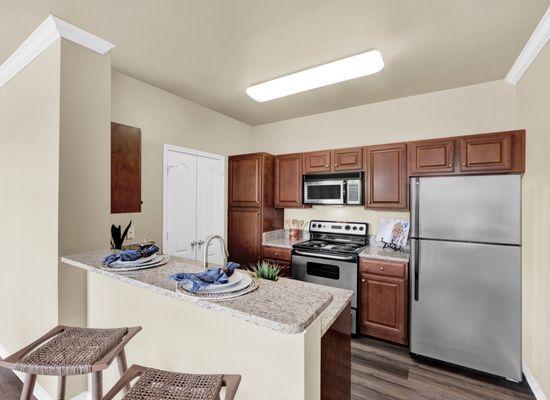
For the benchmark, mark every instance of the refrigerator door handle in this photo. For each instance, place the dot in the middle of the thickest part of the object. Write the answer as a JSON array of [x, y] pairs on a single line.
[[416, 265], [415, 187]]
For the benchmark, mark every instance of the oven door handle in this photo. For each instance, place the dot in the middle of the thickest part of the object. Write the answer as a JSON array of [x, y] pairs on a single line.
[[302, 253]]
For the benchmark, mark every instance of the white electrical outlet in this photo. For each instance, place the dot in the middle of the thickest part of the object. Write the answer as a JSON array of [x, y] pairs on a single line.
[[131, 232]]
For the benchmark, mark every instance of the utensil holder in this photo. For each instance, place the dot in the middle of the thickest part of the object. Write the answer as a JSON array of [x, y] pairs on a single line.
[[294, 234]]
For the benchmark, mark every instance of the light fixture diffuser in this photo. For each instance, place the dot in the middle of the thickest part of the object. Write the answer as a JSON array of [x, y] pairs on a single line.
[[345, 69]]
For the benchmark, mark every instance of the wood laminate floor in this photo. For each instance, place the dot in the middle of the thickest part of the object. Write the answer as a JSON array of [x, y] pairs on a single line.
[[382, 371]]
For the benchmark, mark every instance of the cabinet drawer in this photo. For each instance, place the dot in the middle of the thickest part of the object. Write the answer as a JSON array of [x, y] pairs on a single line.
[[384, 268], [277, 253]]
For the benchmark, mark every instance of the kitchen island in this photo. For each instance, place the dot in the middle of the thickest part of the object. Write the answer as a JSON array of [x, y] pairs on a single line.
[[281, 338]]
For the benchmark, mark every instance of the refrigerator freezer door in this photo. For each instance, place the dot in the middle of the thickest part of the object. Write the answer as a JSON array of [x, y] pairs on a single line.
[[468, 310], [467, 208]]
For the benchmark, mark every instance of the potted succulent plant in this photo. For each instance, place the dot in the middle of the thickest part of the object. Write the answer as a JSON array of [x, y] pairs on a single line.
[[266, 270]]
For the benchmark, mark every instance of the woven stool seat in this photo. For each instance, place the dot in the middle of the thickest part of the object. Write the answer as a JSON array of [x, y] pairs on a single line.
[[71, 352], [155, 384]]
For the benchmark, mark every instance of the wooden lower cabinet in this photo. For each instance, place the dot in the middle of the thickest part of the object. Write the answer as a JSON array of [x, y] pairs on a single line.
[[245, 235], [384, 300], [280, 256], [336, 359]]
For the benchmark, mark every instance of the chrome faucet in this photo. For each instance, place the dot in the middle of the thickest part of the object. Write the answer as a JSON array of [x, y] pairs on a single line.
[[224, 250]]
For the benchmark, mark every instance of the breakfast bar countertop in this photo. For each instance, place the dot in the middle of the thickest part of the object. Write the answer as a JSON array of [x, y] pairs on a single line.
[[286, 306]]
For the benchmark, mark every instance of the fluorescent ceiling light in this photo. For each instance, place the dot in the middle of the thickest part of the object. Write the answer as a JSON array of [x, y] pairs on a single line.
[[345, 69]]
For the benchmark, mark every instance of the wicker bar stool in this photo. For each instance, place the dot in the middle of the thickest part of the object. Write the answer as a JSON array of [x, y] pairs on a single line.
[[69, 350], [155, 384]]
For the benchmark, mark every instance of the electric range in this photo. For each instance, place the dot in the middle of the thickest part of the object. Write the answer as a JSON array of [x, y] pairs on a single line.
[[331, 257]]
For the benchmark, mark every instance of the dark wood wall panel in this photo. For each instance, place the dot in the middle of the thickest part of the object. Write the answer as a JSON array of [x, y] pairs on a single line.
[[125, 169]]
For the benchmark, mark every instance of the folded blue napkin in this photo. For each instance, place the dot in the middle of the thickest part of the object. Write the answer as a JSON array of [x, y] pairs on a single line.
[[211, 276], [130, 255]]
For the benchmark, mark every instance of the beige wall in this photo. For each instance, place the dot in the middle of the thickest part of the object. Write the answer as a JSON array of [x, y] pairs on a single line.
[[29, 154], [168, 119], [533, 97], [84, 174], [486, 107]]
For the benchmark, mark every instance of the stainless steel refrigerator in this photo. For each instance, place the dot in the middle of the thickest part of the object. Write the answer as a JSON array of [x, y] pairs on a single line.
[[466, 272]]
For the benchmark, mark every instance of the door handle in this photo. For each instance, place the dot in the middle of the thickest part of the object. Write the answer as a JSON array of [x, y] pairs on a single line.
[[416, 268]]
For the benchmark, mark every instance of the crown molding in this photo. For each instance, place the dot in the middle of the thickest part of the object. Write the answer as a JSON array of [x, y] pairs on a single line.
[[51, 29], [532, 48]]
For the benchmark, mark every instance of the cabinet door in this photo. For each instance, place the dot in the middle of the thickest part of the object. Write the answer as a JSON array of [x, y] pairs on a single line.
[[386, 186], [431, 157], [384, 307], [317, 161], [245, 180], [125, 169], [288, 180], [350, 159], [244, 234], [486, 153]]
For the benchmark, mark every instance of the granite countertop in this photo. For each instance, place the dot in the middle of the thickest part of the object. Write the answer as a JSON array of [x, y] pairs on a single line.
[[285, 306], [279, 238], [379, 253]]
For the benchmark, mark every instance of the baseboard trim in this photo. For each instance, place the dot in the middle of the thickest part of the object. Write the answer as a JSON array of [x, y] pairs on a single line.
[[39, 392], [533, 384]]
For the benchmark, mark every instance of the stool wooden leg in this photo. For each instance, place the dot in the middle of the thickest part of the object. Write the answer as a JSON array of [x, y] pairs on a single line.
[[28, 387], [122, 367], [97, 385], [61, 385]]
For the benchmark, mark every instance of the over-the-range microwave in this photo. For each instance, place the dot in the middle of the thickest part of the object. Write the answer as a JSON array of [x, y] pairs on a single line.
[[336, 188]]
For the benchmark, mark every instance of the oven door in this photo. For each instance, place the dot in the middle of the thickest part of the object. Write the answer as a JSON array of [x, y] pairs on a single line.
[[324, 191], [329, 270]]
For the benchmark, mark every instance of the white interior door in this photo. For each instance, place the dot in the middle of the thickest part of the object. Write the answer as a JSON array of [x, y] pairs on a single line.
[[180, 204], [210, 205], [194, 202]]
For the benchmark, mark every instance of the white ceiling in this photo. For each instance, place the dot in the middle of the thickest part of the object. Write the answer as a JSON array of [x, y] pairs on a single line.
[[210, 51]]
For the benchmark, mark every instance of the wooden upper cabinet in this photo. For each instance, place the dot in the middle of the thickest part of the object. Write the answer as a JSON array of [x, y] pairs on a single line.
[[349, 159], [245, 180], [430, 157], [125, 169], [317, 161], [288, 180], [486, 152], [386, 171]]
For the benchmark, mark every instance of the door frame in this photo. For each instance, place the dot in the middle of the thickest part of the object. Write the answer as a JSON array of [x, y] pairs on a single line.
[[198, 153]]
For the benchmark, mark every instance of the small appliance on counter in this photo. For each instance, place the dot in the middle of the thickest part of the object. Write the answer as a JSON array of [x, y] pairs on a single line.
[[336, 188], [331, 257]]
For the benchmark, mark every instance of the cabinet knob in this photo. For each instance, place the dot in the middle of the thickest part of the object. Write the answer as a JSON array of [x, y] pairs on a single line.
[[335, 165], [276, 254], [362, 280], [464, 164], [450, 165], [381, 268]]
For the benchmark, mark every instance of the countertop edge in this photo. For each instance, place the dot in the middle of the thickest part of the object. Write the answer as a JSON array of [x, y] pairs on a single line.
[[210, 305]]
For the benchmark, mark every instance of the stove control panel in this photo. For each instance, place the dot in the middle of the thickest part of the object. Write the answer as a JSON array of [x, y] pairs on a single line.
[[345, 228]]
